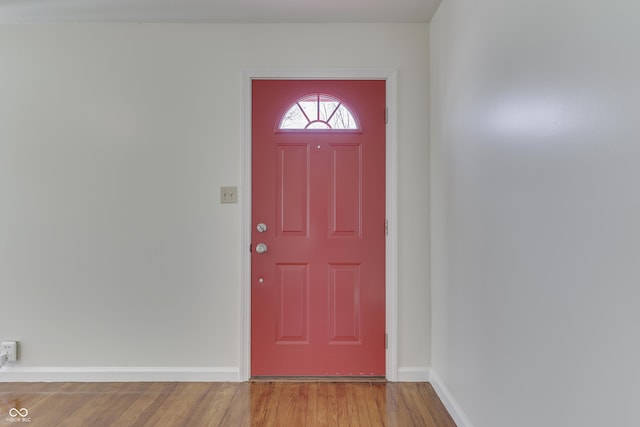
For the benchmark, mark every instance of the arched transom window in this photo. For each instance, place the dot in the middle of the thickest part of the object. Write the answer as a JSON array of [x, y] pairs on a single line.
[[318, 111]]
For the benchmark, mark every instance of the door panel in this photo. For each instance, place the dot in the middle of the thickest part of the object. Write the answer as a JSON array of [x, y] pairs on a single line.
[[318, 292], [293, 298], [345, 187], [292, 197], [345, 314]]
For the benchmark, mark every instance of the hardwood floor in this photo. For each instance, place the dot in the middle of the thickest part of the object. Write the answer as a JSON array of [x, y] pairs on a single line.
[[287, 404]]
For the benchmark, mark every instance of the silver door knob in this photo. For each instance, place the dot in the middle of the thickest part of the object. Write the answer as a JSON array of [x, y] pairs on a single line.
[[261, 248]]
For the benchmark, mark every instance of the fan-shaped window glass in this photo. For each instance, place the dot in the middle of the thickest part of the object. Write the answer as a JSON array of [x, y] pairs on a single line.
[[318, 111]]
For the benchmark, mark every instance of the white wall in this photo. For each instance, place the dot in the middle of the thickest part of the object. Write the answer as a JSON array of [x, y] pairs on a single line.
[[114, 140], [536, 219]]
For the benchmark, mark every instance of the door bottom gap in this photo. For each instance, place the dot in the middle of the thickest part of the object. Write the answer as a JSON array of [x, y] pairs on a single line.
[[317, 379]]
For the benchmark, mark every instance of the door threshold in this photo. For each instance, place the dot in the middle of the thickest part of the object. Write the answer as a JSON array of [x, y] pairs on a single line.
[[317, 379]]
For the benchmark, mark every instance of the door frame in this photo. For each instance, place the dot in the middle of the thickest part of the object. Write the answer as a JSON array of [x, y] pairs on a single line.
[[391, 275]]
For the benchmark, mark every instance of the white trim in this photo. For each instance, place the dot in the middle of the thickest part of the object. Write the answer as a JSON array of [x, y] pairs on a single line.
[[413, 374], [391, 266], [390, 76], [121, 374], [449, 401]]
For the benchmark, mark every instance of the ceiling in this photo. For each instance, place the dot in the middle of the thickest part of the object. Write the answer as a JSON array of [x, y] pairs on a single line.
[[216, 11]]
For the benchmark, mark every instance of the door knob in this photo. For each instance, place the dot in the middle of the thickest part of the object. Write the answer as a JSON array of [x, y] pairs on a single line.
[[261, 248]]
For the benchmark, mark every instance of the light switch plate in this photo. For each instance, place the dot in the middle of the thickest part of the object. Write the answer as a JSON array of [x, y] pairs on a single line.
[[228, 194]]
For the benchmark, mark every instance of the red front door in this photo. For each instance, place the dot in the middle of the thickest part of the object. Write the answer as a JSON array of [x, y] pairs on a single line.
[[318, 208]]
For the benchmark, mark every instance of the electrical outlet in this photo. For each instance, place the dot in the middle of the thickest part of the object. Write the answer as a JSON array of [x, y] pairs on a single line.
[[228, 194], [10, 349]]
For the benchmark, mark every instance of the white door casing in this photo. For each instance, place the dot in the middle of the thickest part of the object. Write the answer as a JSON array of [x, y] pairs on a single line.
[[390, 76]]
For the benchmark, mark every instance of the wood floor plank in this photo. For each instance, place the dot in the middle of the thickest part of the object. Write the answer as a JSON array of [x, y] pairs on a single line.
[[218, 404], [145, 404], [268, 404], [376, 405]]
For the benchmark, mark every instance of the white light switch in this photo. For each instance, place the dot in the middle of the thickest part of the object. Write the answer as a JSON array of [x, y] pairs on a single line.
[[228, 194]]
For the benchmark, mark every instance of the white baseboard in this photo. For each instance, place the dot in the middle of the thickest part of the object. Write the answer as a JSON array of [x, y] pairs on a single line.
[[448, 400], [122, 374], [413, 374]]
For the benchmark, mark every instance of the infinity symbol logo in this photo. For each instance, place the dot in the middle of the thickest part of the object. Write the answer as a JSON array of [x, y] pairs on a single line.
[[13, 412]]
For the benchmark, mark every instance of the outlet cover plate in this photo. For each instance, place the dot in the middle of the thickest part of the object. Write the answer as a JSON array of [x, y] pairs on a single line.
[[10, 348]]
